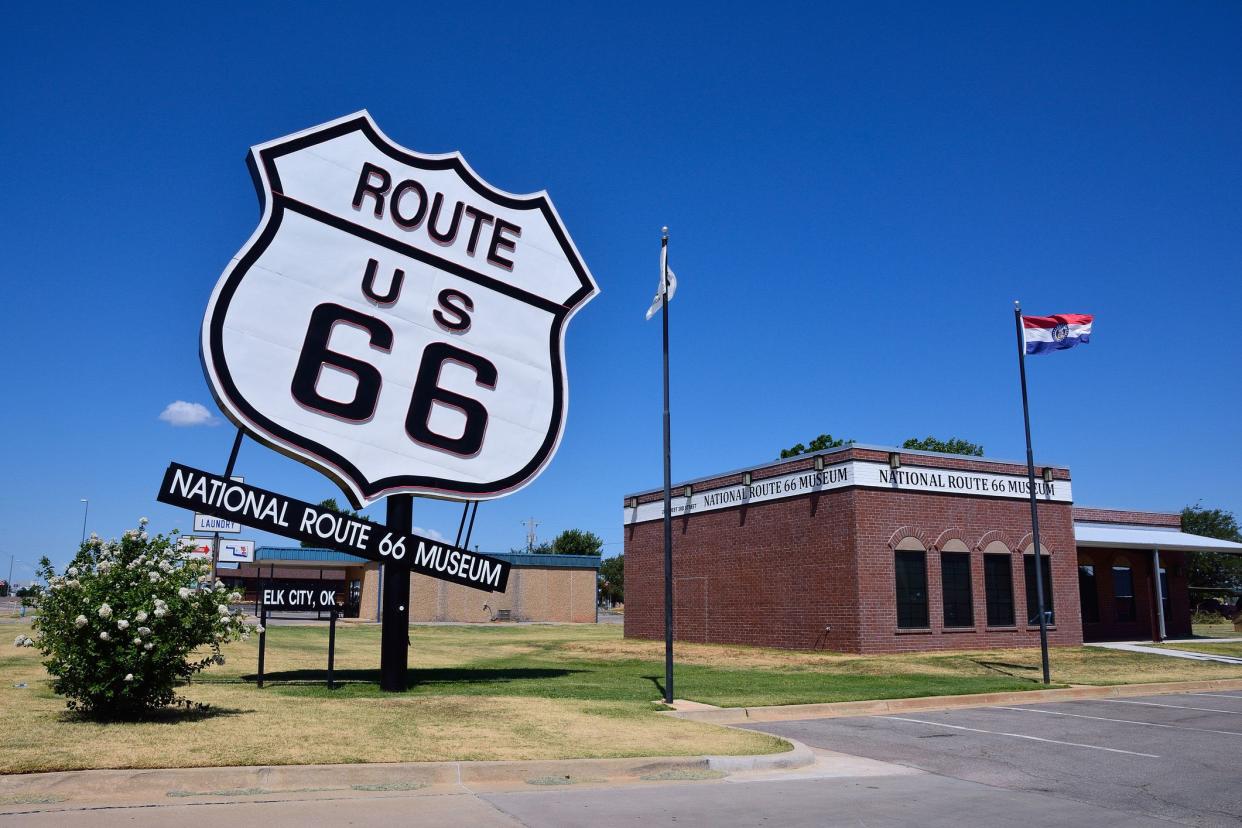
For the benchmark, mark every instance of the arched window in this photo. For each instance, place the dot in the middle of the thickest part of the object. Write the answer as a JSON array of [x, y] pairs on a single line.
[[1032, 603], [998, 584], [910, 569], [959, 608], [1088, 590], [1123, 590]]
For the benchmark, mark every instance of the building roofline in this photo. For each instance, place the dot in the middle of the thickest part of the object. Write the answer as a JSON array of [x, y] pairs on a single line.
[[810, 455]]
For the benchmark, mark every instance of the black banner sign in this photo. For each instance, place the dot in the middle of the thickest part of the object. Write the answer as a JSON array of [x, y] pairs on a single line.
[[220, 497]]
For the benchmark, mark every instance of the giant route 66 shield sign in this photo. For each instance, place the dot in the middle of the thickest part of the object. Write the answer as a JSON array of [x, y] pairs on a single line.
[[395, 321]]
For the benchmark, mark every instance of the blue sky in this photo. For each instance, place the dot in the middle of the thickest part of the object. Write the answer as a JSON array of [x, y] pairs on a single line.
[[856, 195]]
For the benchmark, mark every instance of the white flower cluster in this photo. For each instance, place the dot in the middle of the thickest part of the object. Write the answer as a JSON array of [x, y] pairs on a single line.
[[105, 612]]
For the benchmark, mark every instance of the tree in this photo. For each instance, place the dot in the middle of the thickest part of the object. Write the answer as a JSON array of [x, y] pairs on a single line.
[[577, 542], [612, 579], [820, 443], [1212, 569], [953, 445], [330, 504]]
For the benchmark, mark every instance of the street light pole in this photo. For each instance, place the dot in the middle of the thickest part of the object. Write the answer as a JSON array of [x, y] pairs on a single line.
[[85, 511]]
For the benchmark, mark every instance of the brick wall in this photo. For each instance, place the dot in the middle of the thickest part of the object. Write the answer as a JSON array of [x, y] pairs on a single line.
[[817, 571]]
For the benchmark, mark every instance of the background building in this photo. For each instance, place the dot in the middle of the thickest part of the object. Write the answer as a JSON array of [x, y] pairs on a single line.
[[871, 549], [541, 587]]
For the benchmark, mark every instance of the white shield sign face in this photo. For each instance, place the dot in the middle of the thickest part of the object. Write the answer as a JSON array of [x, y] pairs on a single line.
[[395, 321]]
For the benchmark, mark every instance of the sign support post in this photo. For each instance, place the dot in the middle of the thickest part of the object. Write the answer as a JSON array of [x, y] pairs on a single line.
[[1030, 476], [262, 639], [395, 624], [228, 472], [332, 647]]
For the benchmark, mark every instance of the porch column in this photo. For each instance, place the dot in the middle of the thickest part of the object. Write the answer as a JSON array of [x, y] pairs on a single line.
[[1155, 574]]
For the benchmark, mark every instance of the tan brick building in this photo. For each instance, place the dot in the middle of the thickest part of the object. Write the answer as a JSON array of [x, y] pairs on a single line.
[[541, 587]]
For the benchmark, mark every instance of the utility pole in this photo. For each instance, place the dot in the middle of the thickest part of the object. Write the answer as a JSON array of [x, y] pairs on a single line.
[[531, 537]]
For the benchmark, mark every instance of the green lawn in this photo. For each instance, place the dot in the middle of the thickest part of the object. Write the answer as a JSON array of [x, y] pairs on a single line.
[[1222, 630], [504, 692]]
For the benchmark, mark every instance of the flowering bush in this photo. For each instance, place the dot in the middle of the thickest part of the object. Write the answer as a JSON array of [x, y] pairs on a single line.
[[120, 627]]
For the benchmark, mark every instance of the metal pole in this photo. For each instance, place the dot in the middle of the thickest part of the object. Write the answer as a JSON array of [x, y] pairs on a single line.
[[85, 511], [395, 629], [461, 527], [668, 490], [1030, 475], [470, 529], [262, 639], [228, 472], [1155, 568], [332, 648]]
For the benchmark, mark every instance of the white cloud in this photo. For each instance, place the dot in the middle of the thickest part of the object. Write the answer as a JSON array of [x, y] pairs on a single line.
[[182, 413], [428, 533]]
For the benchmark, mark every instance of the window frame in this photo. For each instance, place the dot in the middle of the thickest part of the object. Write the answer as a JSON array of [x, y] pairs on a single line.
[[993, 601], [1050, 607], [909, 551], [963, 590], [1092, 593], [1122, 563]]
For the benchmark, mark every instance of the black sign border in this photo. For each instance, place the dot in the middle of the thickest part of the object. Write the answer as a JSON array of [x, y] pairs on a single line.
[[304, 450]]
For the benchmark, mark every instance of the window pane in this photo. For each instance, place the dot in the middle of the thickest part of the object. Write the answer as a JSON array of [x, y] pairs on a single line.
[[1123, 594], [955, 581], [998, 587], [1088, 594], [911, 570], [1032, 605]]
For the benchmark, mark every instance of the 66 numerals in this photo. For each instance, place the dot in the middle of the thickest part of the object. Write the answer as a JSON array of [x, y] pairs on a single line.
[[427, 392]]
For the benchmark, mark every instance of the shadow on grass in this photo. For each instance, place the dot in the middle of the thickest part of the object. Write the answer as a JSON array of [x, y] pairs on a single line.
[[659, 685], [1025, 671], [168, 715], [417, 676]]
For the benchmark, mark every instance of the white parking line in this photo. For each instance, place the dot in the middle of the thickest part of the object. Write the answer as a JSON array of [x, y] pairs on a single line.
[[1021, 736], [1173, 706], [1120, 721]]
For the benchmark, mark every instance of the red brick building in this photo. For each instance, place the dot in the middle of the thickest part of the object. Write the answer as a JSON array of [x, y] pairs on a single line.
[[868, 549]]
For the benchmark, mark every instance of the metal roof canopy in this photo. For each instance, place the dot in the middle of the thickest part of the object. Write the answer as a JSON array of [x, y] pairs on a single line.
[[1130, 536]]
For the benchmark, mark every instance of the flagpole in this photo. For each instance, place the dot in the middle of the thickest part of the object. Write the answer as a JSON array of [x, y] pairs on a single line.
[[668, 487], [1030, 475]]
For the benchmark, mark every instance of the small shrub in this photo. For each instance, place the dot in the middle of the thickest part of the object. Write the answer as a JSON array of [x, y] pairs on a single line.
[[1207, 617], [119, 628]]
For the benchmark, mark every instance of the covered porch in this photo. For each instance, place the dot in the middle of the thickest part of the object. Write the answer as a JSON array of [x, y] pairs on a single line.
[[1132, 577]]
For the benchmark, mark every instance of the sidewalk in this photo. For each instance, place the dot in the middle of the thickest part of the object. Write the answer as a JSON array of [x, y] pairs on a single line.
[[698, 712], [18, 792], [1134, 647]]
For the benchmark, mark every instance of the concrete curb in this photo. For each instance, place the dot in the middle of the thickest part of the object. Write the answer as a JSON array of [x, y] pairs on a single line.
[[240, 783], [788, 712]]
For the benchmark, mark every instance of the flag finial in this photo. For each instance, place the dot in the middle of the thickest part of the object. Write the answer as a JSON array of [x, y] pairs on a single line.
[[1017, 305]]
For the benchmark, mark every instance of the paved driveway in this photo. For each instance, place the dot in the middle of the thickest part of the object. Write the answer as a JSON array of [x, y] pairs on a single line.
[[1172, 757], [1129, 763]]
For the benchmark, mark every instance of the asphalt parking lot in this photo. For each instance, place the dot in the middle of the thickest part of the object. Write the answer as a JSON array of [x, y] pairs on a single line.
[[1176, 757]]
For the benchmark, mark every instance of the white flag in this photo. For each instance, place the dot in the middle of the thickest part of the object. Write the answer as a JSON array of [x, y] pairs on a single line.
[[658, 301]]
